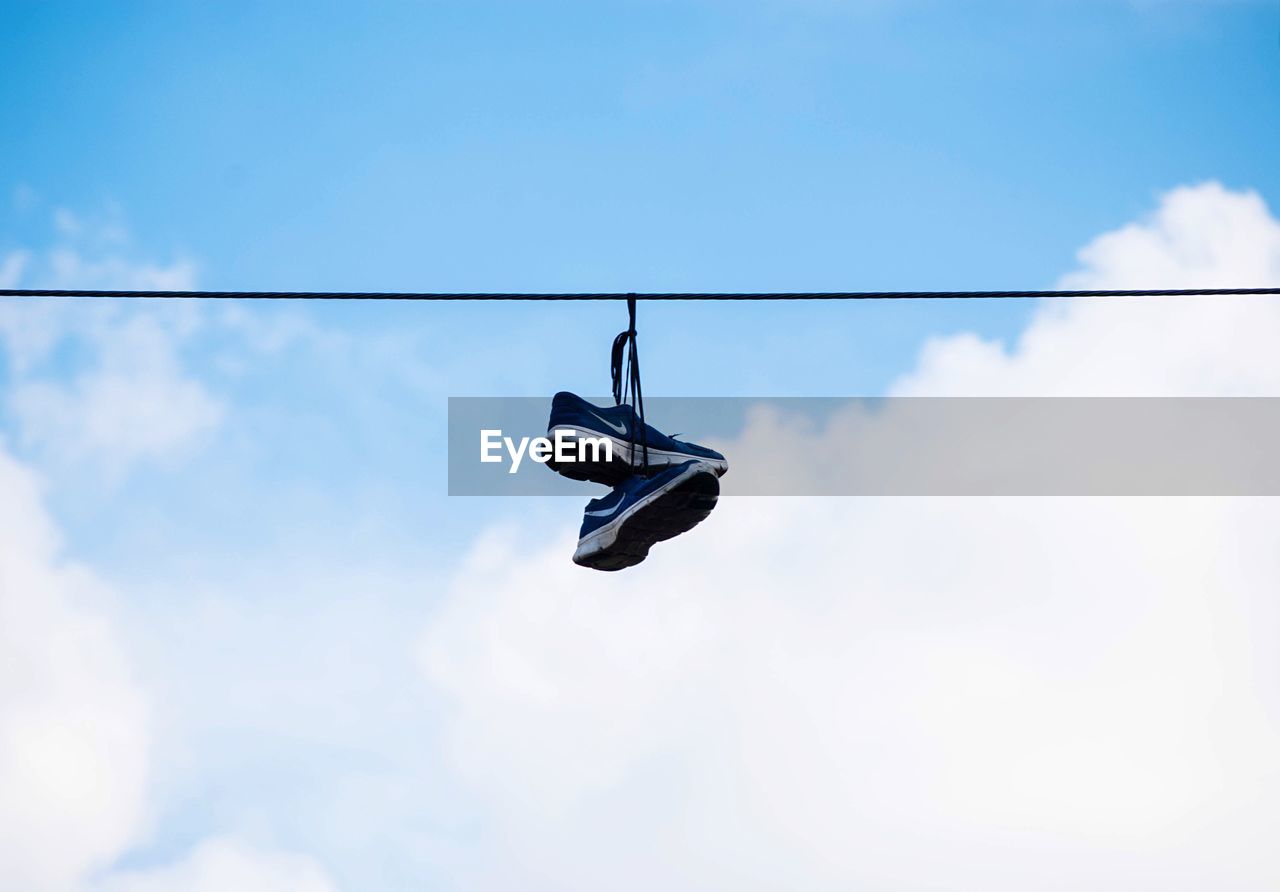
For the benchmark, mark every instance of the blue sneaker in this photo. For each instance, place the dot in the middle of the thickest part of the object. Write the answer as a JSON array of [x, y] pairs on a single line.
[[619, 529], [578, 418]]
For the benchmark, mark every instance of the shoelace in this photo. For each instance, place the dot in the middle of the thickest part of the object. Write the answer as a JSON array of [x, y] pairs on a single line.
[[628, 387]]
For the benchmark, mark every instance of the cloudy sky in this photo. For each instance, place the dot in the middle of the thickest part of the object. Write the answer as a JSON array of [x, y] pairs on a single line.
[[247, 642]]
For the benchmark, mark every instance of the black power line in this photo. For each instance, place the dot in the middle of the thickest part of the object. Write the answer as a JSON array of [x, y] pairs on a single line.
[[619, 295]]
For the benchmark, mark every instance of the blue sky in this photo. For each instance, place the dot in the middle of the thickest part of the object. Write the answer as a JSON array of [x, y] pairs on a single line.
[[646, 145], [640, 146], [629, 146]]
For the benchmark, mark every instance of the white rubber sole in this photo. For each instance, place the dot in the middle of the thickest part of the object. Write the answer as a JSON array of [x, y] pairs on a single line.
[[679, 506]]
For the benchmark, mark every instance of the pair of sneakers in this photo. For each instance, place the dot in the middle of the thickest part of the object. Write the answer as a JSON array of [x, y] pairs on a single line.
[[650, 501]]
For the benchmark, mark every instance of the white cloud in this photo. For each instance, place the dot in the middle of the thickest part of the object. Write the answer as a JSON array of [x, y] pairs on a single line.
[[811, 694], [130, 398], [73, 723], [1200, 237], [909, 693], [75, 732], [137, 402], [70, 268], [224, 865]]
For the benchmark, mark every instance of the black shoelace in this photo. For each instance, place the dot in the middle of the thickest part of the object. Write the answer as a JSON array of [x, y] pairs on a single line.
[[627, 387]]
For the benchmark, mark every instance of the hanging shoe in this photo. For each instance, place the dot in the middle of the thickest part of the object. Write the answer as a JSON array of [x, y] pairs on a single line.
[[619, 529], [578, 418]]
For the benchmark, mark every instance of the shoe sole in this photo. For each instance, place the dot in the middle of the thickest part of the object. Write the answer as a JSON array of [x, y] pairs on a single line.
[[626, 541], [624, 462]]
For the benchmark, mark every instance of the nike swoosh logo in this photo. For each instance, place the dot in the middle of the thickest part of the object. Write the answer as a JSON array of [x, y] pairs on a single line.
[[620, 428], [605, 513]]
